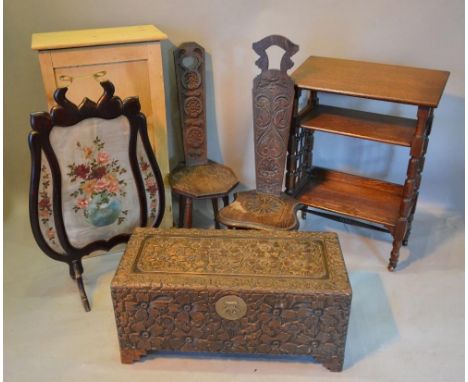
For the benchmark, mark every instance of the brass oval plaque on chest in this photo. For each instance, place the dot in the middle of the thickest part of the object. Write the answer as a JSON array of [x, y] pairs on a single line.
[[231, 307]]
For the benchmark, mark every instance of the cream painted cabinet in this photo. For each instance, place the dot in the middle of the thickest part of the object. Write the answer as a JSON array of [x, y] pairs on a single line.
[[131, 58]]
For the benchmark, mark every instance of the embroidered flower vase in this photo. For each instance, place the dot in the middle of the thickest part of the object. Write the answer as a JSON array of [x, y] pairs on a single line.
[[103, 210]]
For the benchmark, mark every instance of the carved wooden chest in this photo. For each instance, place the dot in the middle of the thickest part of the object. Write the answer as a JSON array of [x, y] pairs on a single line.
[[232, 291]]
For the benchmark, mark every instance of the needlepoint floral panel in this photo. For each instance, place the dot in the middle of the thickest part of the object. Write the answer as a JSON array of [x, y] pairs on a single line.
[[99, 194], [45, 207], [150, 184]]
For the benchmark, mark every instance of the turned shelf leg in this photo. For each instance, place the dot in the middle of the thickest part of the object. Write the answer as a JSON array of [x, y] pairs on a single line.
[[398, 235], [410, 222], [419, 144], [226, 200]]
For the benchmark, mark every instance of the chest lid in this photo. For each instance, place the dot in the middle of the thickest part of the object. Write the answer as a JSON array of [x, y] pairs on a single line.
[[302, 262]]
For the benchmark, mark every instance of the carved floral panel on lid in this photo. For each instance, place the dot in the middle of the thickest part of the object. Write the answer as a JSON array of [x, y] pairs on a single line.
[[242, 256]]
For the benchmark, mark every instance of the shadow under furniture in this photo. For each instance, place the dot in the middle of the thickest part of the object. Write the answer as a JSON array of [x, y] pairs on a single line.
[[267, 207], [355, 199], [94, 178], [197, 178]]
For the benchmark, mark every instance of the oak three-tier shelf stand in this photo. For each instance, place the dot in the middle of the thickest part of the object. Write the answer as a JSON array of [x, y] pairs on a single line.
[[355, 199]]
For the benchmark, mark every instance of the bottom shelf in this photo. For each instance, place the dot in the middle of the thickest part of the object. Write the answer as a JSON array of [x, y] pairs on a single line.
[[354, 196]]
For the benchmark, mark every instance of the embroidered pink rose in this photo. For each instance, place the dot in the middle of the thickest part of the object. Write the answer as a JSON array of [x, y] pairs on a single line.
[[113, 185], [82, 203], [101, 185], [151, 185], [103, 157], [44, 203]]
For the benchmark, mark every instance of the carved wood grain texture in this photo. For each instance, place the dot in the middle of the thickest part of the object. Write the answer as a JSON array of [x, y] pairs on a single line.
[[273, 98], [183, 320], [169, 282], [190, 73]]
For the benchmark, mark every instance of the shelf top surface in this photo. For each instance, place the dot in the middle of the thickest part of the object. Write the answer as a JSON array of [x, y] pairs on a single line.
[[93, 37], [359, 124], [384, 82], [354, 196]]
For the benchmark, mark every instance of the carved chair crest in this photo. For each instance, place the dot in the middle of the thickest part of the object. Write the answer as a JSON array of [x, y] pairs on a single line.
[[273, 97], [94, 177], [190, 72]]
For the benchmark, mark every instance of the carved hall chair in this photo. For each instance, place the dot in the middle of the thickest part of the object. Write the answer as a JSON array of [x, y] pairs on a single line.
[[94, 178], [266, 207], [198, 177]]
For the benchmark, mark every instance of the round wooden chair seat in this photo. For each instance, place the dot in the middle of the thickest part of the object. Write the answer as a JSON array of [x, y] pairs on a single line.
[[203, 181], [255, 210]]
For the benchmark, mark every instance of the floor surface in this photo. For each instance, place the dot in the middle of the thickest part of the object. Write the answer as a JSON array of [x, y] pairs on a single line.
[[404, 326]]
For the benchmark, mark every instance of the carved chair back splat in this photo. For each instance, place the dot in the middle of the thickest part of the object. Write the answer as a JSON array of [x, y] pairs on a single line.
[[94, 178], [198, 177], [273, 97], [190, 68]]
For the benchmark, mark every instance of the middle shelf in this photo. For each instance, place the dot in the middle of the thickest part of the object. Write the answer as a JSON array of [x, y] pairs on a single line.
[[354, 196], [360, 124]]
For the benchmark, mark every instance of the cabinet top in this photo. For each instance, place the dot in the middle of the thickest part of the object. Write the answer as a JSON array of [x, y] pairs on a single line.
[[92, 37], [384, 82]]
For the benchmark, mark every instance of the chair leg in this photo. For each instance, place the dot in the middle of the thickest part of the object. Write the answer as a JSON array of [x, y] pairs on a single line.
[[182, 200], [226, 200], [187, 213], [214, 201], [78, 270]]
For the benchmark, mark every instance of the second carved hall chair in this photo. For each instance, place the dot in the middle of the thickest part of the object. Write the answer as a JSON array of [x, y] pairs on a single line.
[[198, 177], [94, 178], [267, 207]]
